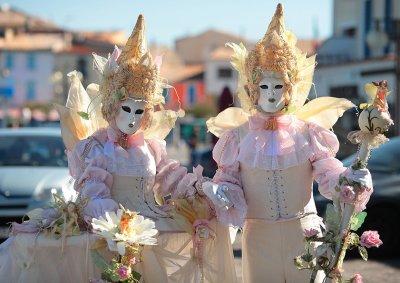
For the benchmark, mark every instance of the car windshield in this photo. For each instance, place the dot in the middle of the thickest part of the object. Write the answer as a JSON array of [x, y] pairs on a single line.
[[32, 151], [383, 160]]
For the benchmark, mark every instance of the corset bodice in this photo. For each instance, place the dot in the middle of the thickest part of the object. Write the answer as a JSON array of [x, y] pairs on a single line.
[[136, 194], [278, 195]]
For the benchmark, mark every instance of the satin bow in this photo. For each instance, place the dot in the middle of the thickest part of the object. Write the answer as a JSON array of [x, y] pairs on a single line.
[[271, 123], [272, 132]]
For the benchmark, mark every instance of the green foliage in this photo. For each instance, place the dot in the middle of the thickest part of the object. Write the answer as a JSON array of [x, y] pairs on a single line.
[[84, 115], [357, 220], [363, 252], [332, 219], [353, 239], [99, 261], [307, 257]]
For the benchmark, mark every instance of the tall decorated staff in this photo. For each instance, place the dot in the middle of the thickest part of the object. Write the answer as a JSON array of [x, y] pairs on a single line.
[[373, 121], [345, 216]]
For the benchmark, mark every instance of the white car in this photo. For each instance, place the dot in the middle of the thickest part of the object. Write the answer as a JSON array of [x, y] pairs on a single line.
[[33, 166]]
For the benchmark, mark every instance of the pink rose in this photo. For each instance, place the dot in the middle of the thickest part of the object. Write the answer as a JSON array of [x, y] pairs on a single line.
[[124, 272], [347, 194], [132, 261], [308, 233], [357, 278], [370, 239]]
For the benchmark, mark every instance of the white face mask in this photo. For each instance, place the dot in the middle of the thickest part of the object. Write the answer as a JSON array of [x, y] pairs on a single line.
[[271, 94], [130, 116]]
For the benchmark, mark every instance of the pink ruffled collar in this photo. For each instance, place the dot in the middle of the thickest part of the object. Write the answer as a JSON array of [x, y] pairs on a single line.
[[111, 147], [133, 140], [275, 142]]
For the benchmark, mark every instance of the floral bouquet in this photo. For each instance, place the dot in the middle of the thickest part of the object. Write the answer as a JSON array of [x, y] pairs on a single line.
[[126, 232], [60, 220], [345, 216]]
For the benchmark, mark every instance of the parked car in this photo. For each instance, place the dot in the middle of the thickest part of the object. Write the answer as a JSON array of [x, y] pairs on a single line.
[[383, 209], [33, 166]]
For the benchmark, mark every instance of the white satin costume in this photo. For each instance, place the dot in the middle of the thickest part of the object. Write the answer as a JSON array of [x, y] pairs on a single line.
[[270, 174]]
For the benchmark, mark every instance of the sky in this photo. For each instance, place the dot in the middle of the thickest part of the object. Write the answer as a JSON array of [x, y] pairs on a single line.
[[167, 20]]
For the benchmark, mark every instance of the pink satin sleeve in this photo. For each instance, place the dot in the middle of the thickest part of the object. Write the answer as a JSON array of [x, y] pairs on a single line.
[[225, 155], [326, 168], [92, 179]]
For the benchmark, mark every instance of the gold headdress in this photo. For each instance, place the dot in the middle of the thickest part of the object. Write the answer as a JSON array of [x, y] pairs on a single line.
[[277, 53], [127, 74], [132, 76]]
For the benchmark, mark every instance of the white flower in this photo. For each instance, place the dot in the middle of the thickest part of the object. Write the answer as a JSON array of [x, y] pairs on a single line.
[[137, 230], [108, 227], [141, 232]]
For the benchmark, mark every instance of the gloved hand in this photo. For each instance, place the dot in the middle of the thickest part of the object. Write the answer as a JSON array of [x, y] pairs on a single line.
[[219, 194], [362, 176], [355, 188]]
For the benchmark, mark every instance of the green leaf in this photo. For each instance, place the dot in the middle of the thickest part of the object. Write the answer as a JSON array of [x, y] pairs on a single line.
[[136, 275], [332, 219], [118, 95], [100, 262], [307, 257], [363, 252], [357, 220], [353, 239], [84, 115]]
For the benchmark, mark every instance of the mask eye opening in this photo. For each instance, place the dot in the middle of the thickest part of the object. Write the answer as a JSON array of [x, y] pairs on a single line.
[[139, 111], [126, 108], [278, 86], [263, 86]]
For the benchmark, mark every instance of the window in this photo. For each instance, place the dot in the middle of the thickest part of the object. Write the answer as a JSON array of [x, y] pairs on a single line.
[[32, 151], [350, 32], [9, 61], [224, 73], [192, 94], [349, 92], [31, 61], [30, 90]]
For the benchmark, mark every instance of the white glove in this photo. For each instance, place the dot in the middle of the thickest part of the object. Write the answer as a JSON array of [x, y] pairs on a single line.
[[362, 176], [218, 194]]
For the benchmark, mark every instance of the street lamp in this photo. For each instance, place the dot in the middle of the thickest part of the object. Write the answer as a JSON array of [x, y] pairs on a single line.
[[378, 39]]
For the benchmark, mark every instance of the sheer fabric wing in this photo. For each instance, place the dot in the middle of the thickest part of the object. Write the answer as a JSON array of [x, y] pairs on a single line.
[[324, 111], [230, 118], [73, 127]]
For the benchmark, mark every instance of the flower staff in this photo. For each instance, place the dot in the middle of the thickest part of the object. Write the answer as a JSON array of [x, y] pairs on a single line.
[[345, 216], [373, 121]]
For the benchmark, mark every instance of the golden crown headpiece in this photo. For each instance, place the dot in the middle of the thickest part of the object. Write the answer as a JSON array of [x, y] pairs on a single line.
[[131, 73], [274, 52], [277, 54]]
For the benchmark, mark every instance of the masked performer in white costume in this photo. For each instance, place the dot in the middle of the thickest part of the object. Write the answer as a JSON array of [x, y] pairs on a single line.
[[118, 156], [269, 152]]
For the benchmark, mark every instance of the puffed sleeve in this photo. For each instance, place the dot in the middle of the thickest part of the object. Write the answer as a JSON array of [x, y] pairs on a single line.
[[225, 155], [169, 171], [326, 168], [88, 166]]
